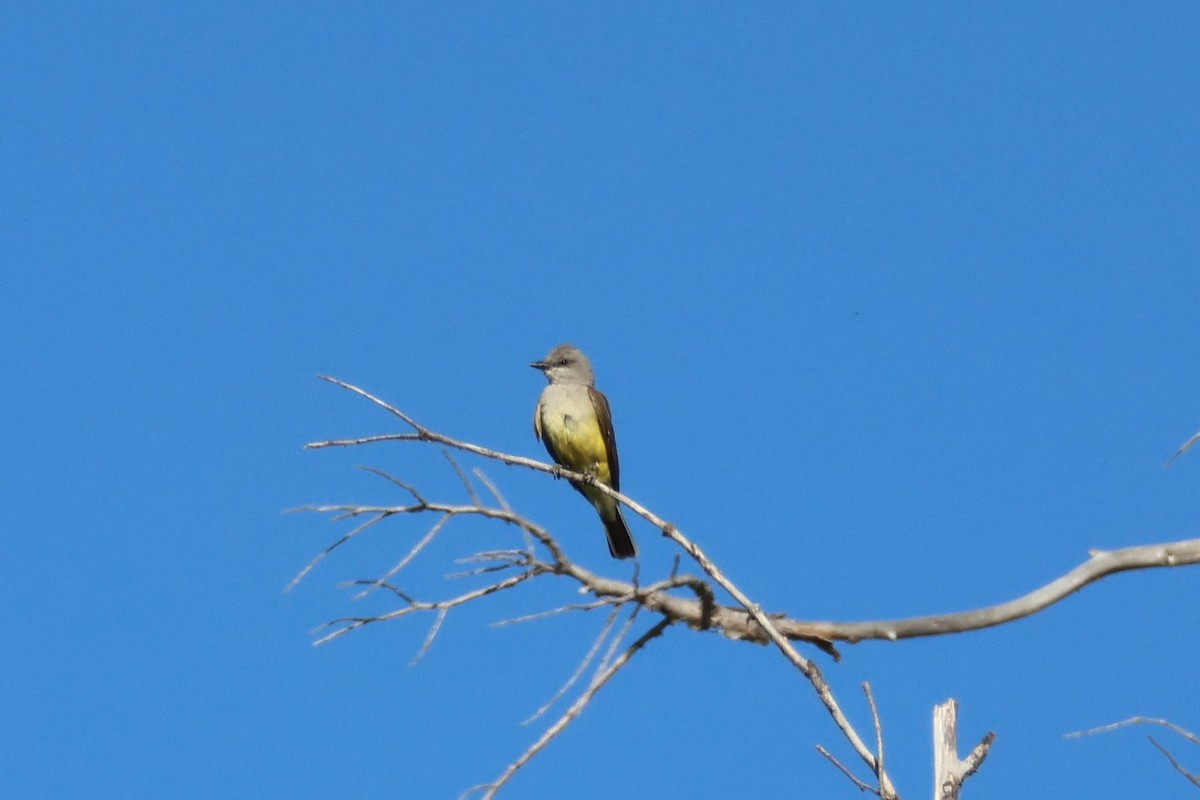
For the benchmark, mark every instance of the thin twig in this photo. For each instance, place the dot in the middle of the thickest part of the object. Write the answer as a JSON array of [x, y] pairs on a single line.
[[462, 476], [1183, 449], [616, 640], [383, 437], [495, 561], [571, 713], [554, 612], [862, 786], [491, 487], [1171, 726], [1175, 763], [434, 629], [353, 623], [408, 557], [579, 670], [381, 515], [411, 490], [879, 762], [1112, 726]]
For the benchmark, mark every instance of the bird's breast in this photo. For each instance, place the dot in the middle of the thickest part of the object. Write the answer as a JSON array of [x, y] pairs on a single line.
[[569, 424]]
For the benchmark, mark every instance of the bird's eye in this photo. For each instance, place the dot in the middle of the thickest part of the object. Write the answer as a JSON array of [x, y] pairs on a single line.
[[563, 362]]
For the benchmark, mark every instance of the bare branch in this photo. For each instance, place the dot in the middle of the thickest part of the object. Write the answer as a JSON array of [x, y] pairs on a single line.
[[1112, 726], [448, 509], [491, 487], [416, 495], [1174, 763], [583, 665], [391, 409], [423, 434], [745, 621], [701, 613], [561, 566], [434, 629], [379, 515], [805, 666], [1100, 565], [823, 633], [571, 713], [607, 659], [1183, 449], [735, 624], [949, 771], [1171, 726], [886, 790], [353, 623], [528, 565], [408, 557], [862, 786], [383, 437], [553, 612], [462, 476]]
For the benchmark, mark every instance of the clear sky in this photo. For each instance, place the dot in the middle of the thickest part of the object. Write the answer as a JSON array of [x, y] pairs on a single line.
[[896, 307]]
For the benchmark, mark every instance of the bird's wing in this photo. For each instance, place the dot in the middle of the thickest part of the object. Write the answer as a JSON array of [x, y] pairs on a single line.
[[546, 440], [604, 417]]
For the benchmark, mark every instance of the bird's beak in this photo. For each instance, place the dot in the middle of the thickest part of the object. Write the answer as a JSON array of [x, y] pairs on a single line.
[[538, 365]]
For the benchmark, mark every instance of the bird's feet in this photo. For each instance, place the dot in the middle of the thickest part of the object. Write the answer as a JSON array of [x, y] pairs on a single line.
[[589, 475]]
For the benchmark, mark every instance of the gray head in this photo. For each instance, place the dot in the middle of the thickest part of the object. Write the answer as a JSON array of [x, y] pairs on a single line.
[[566, 364]]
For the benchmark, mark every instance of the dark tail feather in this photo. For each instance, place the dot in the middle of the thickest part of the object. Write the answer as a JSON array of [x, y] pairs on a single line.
[[620, 542]]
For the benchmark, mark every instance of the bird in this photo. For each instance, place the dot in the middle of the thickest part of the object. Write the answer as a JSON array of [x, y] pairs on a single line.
[[574, 422]]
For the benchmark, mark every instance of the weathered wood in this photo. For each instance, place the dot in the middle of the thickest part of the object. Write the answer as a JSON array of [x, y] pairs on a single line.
[[949, 771]]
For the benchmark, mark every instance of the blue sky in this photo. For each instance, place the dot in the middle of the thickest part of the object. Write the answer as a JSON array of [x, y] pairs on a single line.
[[895, 307]]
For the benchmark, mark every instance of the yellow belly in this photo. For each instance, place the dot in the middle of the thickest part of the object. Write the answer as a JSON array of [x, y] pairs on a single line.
[[579, 444]]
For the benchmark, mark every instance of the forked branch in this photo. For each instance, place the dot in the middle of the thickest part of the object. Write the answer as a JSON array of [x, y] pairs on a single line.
[[754, 624], [696, 606], [949, 771]]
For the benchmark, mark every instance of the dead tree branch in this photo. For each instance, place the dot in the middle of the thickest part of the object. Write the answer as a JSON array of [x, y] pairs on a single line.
[[490, 790], [1171, 726], [698, 609], [746, 625], [520, 566], [1191, 776], [883, 788], [1101, 564], [1183, 449], [949, 771], [806, 667]]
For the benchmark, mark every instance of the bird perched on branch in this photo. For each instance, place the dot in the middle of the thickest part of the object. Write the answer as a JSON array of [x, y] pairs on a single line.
[[575, 424]]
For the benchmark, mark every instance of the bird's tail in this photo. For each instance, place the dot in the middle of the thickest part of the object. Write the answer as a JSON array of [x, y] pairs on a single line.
[[620, 542]]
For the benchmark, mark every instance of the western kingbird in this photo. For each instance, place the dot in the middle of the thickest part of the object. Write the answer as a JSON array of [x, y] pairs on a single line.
[[573, 421]]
